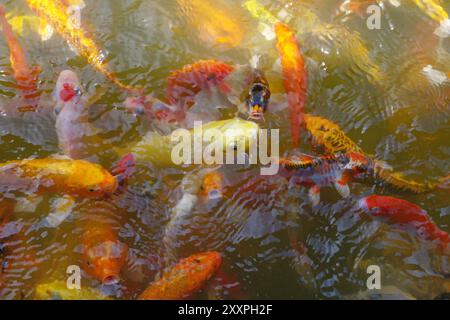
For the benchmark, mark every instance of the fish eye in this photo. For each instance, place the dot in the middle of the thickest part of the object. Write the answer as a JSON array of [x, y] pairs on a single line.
[[91, 190]]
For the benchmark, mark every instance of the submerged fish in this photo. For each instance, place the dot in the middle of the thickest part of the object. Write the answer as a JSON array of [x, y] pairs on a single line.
[[78, 178], [26, 77], [57, 290], [294, 76], [158, 149], [104, 255], [183, 85], [215, 25], [154, 109], [185, 279], [57, 15], [404, 214], [316, 172]]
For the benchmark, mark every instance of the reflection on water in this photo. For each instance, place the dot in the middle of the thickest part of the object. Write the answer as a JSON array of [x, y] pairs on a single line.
[[275, 245]]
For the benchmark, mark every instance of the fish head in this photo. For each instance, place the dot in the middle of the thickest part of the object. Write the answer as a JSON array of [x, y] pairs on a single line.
[[104, 255], [212, 186], [396, 209], [359, 164], [237, 133], [67, 89], [204, 264], [88, 180], [257, 100]]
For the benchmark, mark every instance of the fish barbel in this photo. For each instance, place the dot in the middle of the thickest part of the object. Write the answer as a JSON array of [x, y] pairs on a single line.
[[56, 14], [78, 178], [184, 279]]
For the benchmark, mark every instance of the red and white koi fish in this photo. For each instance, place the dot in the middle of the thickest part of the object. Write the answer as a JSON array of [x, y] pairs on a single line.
[[404, 214], [316, 172], [72, 113], [295, 77], [183, 85], [153, 109], [26, 77]]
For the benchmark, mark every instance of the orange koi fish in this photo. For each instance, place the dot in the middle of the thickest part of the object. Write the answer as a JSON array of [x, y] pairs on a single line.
[[215, 25], [405, 214], [78, 178], [56, 14], [104, 255], [183, 85], [25, 76], [295, 77], [212, 186], [185, 279]]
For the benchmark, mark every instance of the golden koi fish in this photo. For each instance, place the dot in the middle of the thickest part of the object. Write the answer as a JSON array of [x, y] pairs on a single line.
[[56, 14], [329, 138], [57, 290], [73, 177]]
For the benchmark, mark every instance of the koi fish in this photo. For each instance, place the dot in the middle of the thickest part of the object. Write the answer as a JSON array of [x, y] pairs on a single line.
[[294, 76], [78, 178], [212, 185], [26, 77], [404, 214], [317, 172], [258, 96], [72, 118], [56, 14], [57, 290], [158, 148], [104, 255], [185, 279], [215, 25], [328, 137], [183, 85]]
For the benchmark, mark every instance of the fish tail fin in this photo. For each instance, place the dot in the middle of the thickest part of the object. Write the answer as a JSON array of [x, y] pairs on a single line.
[[124, 168]]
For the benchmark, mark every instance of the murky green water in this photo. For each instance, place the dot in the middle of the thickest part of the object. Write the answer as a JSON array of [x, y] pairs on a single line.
[[382, 100]]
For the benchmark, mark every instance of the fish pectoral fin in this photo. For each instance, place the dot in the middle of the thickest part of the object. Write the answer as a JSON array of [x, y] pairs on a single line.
[[314, 195], [343, 189]]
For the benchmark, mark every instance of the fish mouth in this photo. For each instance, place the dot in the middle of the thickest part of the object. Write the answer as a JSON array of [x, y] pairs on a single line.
[[214, 194], [110, 279]]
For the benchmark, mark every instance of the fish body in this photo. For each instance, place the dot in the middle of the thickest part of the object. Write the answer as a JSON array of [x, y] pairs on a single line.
[[328, 136], [104, 255], [295, 77], [57, 15], [26, 77], [405, 214], [215, 26], [158, 149], [436, 12], [184, 84], [78, 178], [184, 279], [57, 290], [331, 170]]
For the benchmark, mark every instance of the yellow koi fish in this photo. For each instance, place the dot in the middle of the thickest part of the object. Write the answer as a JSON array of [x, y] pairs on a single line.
[[72, 177], [158, 149], [56, 14], [57, 290], [436, 12]]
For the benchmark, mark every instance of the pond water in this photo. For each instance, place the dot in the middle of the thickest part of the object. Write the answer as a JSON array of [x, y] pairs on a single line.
[[371, 83]]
